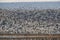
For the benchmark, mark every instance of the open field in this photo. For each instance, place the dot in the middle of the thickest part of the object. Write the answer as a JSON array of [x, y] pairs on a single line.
[[30, 37]]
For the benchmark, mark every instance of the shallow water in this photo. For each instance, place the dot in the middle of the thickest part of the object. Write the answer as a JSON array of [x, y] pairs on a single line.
[[41, 5]]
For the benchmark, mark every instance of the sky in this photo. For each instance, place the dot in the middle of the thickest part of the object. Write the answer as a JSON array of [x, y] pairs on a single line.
[[28, 0]]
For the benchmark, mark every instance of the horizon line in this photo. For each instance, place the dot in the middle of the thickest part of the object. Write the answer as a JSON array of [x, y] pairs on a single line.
[[32, 1]]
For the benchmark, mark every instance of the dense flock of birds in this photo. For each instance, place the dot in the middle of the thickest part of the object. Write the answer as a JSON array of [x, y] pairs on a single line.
[[25, 21]]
